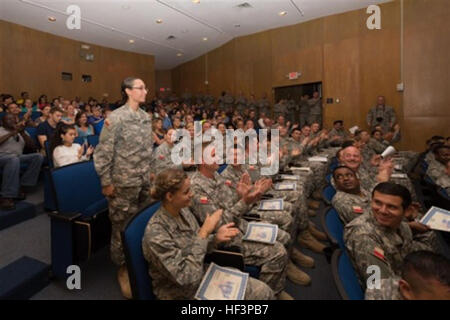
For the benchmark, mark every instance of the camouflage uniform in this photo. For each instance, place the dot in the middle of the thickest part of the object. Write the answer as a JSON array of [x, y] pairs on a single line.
[[347, 205], [228, 101], [280, 109], [304, 112], [377, 146], [122, 159], [161, 159], [281, 218], [241, 103], [389, 290], [444, 182], [214, 194], [263, 107], [292, 108], [315, 111], [384, 113], [435, 170], [368, 243], [176, 257]]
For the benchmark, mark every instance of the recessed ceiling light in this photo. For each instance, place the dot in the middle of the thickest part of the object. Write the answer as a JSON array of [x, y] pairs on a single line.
[[196, 1], [237, 25], [51, 19], [179, 54], [282, 13], [126, 7], [159, 21], [205, 39], [131, 41]]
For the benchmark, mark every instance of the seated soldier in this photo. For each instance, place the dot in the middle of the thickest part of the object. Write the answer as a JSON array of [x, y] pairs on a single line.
[[350, 200], [382, 237], [283, 218], [13, 139], [424, 276], [211, 193], [444, 180], [175, 245], [436, 167], [338, 134]]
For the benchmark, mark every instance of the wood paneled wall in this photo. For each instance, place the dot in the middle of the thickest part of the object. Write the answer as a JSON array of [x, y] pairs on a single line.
[[33, 61], [355, 65]]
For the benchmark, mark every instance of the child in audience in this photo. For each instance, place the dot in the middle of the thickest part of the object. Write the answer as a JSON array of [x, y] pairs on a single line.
[[63, 149]]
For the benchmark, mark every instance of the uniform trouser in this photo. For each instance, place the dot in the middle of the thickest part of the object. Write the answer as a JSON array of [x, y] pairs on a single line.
[[272, 259], [125, 203], [258, 290], [10, 163], [303, 119], [283, 218], [315, 118]]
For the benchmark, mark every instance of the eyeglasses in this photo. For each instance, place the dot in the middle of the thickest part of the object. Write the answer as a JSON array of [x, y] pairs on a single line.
[[140, 88]]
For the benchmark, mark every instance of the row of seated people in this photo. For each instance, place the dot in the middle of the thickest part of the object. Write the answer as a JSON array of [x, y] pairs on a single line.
[[187, 200], [54, 134]]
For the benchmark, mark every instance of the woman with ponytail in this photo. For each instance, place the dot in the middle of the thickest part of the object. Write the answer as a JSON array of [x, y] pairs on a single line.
[[175, 245], [122, 161]]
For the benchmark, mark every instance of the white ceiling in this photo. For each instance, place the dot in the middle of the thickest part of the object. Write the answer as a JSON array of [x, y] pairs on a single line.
[[112, 23]]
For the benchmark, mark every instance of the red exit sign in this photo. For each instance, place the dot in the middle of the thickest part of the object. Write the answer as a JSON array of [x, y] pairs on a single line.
[[293, 75]]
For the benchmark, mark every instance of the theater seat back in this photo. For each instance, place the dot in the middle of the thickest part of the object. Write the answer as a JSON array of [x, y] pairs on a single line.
[[132, 234], [334, 227], [345, 276], [78, 189]]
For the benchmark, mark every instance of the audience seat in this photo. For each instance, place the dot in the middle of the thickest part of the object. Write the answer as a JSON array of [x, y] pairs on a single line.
[[80, 226], [328, 177], [98, 127], [333, 227], [345, 276], [222, 167], [93, 140], [328, 193], [132, 234]]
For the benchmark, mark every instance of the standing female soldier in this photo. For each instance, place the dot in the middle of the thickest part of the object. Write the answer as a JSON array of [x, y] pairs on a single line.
[[122, 161]]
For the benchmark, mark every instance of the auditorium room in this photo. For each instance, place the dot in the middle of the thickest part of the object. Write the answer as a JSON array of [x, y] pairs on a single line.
[[224, 150]]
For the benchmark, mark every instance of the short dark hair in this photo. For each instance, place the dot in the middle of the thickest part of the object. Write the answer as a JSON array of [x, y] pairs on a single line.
[[394, 189], [347, 143], [429, 265], [375, 131], [342, 167], [440, 147], [338, 121], [56, 109]]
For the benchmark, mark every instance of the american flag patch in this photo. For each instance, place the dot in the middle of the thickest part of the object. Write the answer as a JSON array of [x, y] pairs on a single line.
[[379, 253], [204, 200], [161, 157], [357, 209], [228, 183]]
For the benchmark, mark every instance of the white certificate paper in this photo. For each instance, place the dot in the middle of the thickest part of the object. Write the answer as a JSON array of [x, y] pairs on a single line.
[[220, 283], [399, 176], [318, 159], [289, 177], [305, 169], [437, 219], [271, 205], [261, 232], [285, 186]]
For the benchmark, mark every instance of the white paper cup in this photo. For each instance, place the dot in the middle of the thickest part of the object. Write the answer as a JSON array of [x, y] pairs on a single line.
[[388, 152]]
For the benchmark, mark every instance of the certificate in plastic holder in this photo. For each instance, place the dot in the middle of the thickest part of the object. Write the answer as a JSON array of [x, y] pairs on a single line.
[[271, 205], [261, 232], [285, 186], [220, 283], [437, 219]]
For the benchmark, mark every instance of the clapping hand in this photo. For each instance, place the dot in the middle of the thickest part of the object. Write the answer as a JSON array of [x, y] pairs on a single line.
[[226, 233]]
